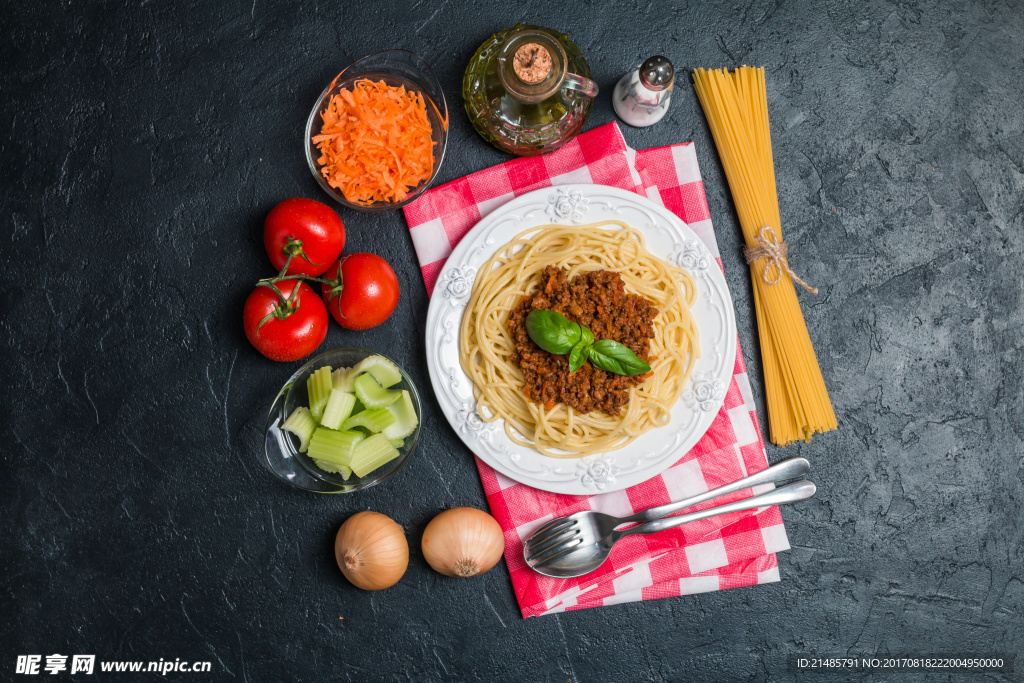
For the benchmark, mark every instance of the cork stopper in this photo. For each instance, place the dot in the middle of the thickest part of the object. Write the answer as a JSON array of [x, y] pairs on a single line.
[[532, 63]]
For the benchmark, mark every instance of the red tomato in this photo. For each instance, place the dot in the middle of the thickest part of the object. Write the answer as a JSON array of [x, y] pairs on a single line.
[[285, 335], [316, 228], [369, 293]]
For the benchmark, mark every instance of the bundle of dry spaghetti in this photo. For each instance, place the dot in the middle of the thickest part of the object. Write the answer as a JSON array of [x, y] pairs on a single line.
[[736, 106]]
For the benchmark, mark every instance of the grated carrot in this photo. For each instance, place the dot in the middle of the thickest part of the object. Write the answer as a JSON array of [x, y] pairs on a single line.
[[375, 143]]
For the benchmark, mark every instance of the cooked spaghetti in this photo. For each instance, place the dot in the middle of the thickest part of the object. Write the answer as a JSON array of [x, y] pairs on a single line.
[[487, 347]]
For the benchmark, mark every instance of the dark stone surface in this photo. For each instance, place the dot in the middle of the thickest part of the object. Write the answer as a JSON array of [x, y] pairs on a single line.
[[144, 143]]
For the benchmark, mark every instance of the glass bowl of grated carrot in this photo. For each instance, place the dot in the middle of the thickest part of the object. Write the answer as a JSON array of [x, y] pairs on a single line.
[[376, 138]]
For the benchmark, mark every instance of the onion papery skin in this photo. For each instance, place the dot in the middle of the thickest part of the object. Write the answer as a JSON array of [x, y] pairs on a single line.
[[371, 551], [463, 542]]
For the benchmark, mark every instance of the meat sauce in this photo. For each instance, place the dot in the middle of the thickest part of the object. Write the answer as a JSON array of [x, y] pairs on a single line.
[[597, 300]]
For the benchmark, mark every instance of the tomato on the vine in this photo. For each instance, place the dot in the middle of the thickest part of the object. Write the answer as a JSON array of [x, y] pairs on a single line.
[[285, 330], [309, 229], [369, 291]]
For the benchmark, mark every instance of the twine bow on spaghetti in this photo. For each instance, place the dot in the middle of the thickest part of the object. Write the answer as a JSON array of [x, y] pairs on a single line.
[[770, 247]]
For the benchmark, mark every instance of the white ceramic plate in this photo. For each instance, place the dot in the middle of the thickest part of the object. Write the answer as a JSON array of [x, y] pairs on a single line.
[[667, 237]]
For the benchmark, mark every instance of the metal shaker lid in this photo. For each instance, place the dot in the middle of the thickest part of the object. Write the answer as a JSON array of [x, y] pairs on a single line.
[[657, 73]]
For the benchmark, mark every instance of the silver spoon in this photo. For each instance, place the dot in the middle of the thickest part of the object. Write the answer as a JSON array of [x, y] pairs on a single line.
[[603, 524], [578, 551], [579, 544]]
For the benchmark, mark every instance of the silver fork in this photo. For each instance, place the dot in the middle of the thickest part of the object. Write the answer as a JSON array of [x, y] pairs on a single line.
[[569, 546]]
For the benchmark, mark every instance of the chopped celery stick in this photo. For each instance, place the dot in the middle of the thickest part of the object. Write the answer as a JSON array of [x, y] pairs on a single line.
[[374, 420], [397, 443], [301, 424], [319, 388], [353, 438], [405, 418], [383, 370], [339, 407], [343, 378], [372, 394], [333, 447], [371, 453], [330, 467]]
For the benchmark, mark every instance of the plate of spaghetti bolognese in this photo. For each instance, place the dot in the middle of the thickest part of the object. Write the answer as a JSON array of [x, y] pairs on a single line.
[[581, 339]]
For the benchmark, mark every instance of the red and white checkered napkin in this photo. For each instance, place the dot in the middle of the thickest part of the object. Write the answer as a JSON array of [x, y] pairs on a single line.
[[712, 554]]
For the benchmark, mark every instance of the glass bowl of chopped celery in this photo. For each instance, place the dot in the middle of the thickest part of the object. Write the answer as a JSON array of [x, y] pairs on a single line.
[[377, 134], [346, 420]]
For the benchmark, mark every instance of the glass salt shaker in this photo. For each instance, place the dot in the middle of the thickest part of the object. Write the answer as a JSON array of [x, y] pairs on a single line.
[[642, 96]]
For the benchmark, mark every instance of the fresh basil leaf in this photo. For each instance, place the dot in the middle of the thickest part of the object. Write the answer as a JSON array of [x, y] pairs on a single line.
[[588, 336], [552, 331], [578, 355], [614, 357]]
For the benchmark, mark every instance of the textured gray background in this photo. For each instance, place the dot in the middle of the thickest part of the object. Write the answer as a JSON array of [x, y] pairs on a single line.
[[143, 144]]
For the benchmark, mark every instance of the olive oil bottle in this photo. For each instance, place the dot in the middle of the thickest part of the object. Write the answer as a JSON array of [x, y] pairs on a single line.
[[528, 90]]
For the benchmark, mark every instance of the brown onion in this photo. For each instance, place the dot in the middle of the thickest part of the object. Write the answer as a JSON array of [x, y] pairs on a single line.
[[371, 550], [463, 542]]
